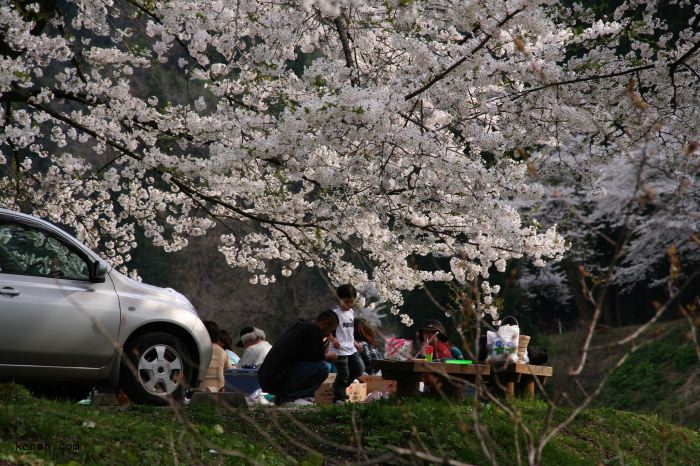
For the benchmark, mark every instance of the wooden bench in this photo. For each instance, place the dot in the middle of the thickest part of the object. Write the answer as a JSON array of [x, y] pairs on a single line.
[[518, 378], [508, 379]]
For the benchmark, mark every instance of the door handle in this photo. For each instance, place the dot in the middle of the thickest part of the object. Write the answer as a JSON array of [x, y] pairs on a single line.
[[9, 291]]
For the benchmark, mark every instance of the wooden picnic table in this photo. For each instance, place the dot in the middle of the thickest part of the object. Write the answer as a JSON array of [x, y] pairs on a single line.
[[509, 379], [408, 375]]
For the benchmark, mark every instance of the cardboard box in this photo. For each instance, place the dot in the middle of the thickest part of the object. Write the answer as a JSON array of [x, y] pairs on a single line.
[[357, 392], [375, 383], [324, 394]]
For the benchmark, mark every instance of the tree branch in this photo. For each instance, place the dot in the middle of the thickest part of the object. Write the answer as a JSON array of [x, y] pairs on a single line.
[[180, 184], [447, 71], [672, 67], [345, 41], [577, 80], [425, 456]]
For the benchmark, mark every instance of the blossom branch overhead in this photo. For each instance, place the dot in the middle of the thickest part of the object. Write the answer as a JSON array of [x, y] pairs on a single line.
[[297, 120]]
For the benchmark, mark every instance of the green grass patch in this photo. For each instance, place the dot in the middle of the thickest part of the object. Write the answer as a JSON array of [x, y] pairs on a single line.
[[650, 379], [325, 434], [661, 376], [39, 431], [597, 436]]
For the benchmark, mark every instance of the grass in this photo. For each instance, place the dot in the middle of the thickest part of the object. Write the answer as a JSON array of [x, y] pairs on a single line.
[[38, 431], [666, 362], [318, 435], [660, 376]]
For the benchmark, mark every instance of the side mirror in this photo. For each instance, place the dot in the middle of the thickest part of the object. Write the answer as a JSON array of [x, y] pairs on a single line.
[[98, 272]]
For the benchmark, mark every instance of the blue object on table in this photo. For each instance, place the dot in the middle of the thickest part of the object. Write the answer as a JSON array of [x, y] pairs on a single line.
[[241, 380], [456, 353]]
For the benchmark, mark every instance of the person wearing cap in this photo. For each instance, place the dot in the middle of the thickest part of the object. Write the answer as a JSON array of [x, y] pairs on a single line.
[[435, 335], [256, 347]]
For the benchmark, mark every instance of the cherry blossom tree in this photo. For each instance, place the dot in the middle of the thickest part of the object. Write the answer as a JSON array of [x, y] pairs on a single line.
[[645, 204], [347, 135]]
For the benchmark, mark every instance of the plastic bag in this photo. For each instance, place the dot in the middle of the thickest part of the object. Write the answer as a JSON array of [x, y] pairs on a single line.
[[378, 395], [257, 398], [502, 345], [398, 349]]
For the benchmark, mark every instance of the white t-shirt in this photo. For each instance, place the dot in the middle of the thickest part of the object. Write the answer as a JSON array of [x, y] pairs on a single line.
[[345, 333], [254, 355]]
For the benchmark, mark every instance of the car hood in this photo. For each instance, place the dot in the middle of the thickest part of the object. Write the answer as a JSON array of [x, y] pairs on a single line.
[[128, 286]]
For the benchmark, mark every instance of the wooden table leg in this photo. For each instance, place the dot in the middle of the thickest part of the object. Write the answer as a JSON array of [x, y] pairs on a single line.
[[453, 387], [529, 387], [406, 384], [510, 388]]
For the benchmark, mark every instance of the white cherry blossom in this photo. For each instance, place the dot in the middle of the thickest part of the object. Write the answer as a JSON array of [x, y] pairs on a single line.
[[349, 135]]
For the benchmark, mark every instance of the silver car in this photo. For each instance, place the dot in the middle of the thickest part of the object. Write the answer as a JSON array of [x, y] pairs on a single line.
[[67, 316]]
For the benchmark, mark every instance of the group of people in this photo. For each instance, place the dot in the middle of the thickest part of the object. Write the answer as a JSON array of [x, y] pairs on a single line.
[[300, 360], [255, 349]]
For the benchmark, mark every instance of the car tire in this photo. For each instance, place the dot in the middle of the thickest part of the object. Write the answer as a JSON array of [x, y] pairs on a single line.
[[156, 369]]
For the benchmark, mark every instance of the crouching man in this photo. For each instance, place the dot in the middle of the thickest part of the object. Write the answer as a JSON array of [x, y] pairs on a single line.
[[296, 365]]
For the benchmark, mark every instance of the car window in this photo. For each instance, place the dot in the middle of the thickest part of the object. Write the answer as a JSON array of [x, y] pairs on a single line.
[[31, 251]]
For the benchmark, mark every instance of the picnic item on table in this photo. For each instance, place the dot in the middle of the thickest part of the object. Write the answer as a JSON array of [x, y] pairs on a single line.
[[522, 348], [428, 353], [502, 345], [398, 349], [537, 355], [458, 361]]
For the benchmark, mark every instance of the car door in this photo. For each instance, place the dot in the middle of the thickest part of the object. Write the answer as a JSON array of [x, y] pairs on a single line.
[[51, 314]]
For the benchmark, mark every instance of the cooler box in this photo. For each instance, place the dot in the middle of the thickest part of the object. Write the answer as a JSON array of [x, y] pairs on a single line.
[[241, 380]]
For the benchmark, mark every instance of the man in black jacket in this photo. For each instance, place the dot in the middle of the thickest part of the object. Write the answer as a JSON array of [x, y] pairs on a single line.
[[296, 365]]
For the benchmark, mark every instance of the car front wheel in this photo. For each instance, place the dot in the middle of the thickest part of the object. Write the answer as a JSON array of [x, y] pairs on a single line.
[[156, 367]]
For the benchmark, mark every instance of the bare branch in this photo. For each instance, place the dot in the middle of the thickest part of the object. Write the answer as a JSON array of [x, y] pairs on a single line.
[[426, 456]]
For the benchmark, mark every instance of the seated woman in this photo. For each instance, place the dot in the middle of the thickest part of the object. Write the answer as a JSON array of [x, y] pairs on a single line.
[[366, 335], [256, 348], [226, 342], [435, 335], [214, 378]]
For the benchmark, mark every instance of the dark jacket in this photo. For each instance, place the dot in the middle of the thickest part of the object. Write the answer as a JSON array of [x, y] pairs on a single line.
[[300, 342]]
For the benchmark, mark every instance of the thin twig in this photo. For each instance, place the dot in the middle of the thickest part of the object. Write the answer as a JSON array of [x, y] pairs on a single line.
[[659, 312], [270, 440], [426, 456]]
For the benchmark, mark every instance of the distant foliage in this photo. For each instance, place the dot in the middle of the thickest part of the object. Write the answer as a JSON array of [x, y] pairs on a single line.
[[646, 201]]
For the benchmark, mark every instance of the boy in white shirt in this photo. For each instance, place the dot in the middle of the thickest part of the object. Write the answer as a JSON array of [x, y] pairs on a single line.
[[349, 364]]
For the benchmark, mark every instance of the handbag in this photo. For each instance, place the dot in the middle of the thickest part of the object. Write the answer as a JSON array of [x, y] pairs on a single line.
[[502, 345]]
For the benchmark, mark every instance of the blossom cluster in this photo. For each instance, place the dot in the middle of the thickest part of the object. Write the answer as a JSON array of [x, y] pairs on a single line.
[[349, 135]]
